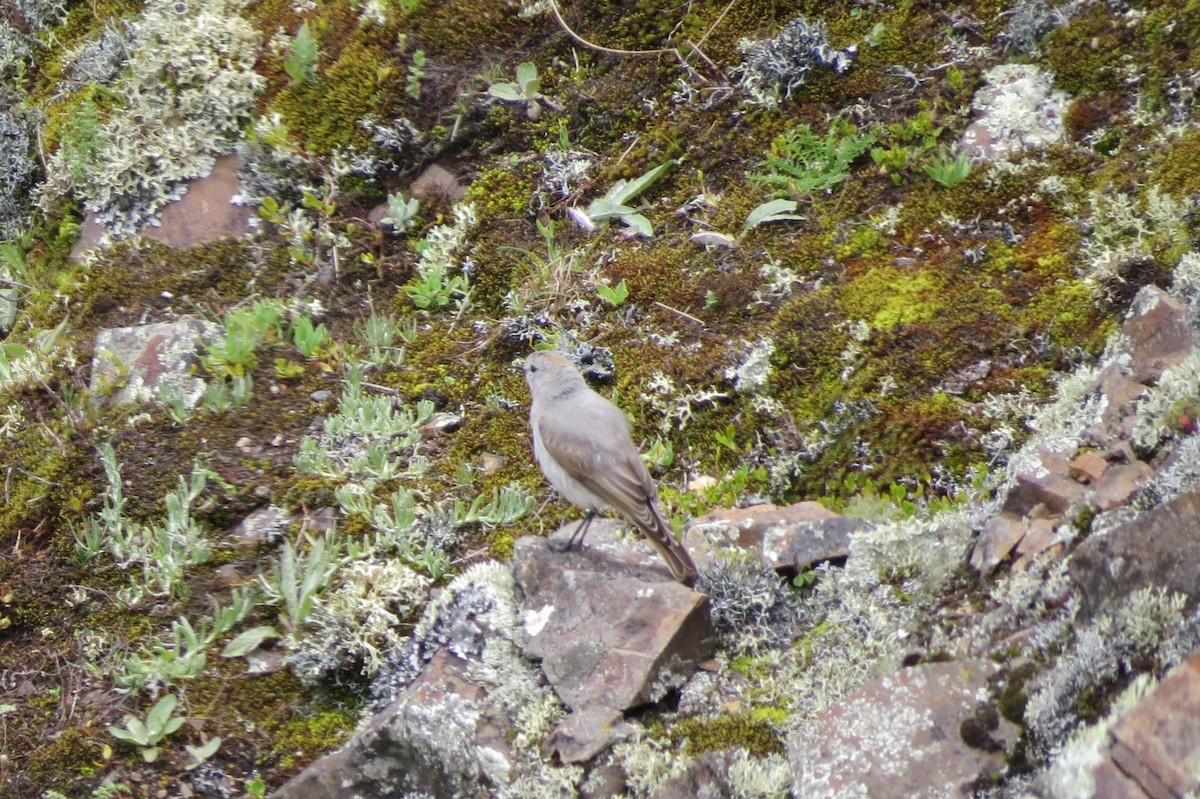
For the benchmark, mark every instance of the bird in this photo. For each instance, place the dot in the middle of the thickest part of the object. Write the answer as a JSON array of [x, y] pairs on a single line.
[[582, 444]]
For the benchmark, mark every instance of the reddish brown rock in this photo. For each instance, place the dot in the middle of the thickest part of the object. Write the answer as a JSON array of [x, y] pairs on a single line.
[[997, 539], [1159, 548], [1087, 467], [608, 624], [1046, 484], [790, 538], [1159, 333], [205, 213], [1157, 743], [921, 732], [1118, 483]]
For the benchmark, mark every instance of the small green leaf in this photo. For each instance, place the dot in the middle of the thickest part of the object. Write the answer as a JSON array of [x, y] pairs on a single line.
[[772, 211], [509, 92], [247, 641]]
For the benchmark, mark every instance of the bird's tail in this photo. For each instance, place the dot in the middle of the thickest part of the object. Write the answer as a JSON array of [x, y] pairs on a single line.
[[672, 551]]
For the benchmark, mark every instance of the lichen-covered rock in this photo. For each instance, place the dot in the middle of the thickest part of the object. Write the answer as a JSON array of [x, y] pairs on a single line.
[[1159, 548], [1018, 109], [927, 731], [608, 628], [790, 538], [151, 360]]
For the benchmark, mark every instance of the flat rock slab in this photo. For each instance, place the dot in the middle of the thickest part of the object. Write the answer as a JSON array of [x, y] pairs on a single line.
[[790, 538], [205, 213], [1159, 332], [141, 361], [586, 733], [1155, 749], [608, 629], [1159, 548], [902, 737], [435, 739]]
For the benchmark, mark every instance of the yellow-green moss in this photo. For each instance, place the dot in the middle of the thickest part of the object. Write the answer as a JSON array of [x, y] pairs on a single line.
[[753, 732]]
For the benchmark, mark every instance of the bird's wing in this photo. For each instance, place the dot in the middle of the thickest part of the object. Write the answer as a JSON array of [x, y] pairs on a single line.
[[593, 446]]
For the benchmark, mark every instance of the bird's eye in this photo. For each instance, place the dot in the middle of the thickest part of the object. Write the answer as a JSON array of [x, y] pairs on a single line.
[[532, 368]]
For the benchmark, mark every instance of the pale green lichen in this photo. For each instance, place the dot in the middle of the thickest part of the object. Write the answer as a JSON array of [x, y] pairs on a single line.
[[188, 87]]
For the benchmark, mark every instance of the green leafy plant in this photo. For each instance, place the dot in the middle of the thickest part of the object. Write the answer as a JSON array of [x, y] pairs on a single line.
[[301, 61], [525, 89], [308, 339], [800, 163], [615, 204], [433, 289], [299, 577], [948, 168], [416, 71], [198, 754], [614, 295], [149, 734]]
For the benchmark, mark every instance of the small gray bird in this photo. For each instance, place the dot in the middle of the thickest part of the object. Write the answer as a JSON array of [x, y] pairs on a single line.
[[582, 444]]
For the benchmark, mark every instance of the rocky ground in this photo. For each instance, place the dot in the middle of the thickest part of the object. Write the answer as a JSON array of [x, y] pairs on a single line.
[[901, 299]]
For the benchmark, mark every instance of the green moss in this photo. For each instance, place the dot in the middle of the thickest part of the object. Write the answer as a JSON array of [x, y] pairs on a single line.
[[887, 297], [753, 732], [1086, 55], [303, 739], [1179, 172]]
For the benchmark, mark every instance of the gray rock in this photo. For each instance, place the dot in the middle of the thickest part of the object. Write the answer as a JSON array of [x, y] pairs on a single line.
[[1000, 534], [586, 733], [790, 538], [142, 361], [1159, 333], [926, 731], [437, 737], [1159, 548], [1017, 109], [607, 623]]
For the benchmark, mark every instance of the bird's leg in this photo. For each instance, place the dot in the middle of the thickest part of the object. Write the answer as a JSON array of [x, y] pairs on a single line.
[[576, 539]]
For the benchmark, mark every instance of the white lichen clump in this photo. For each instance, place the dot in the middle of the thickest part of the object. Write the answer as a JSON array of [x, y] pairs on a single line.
[[189, 86]]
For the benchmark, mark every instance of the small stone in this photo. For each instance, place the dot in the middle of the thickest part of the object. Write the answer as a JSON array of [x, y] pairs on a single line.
[[489, 463], [1118, 483], [320, 395], [1038, 538], [245, 444], [587, 732], [439, 424], [278, 441], [997, 539], [1087, 467], [701, 484], [604, 782]]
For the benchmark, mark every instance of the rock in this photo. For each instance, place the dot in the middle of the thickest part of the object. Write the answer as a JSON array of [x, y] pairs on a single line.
[[802, 545], [437, 738], [261, 526], [439, 424], [1017, 108], [1087, 467], [489, 462], [920, 732], [1159, 333], [704, 778], [586, 733], [1118, 483], [997, 539], [1159, 548], [1155, 747], [148, 359], [435, 183], [747, 528], [205, 213], [1120, 395], [608, 624], [604, 782], [1046, 484]]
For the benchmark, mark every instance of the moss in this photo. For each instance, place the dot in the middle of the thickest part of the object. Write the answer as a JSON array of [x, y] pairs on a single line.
[[69, 760], [1179, 172], [1086, 55], [303, 739], [888, 297], [750, 731]]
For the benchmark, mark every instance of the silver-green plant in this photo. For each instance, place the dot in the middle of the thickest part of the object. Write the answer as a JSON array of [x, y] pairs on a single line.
[[401, 212], [614, 205], [299, 577], [440, 280], [380, 334], [148, 734], [525, 90]]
